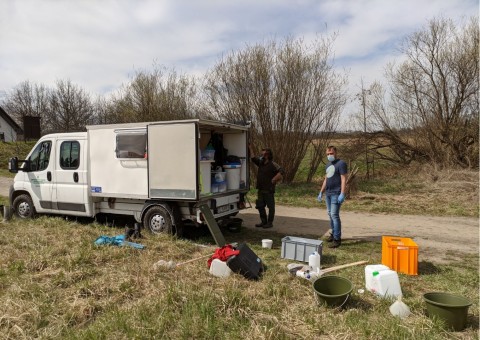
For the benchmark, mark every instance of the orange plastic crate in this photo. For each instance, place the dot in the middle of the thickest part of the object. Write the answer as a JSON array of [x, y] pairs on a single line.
[[400, 254]]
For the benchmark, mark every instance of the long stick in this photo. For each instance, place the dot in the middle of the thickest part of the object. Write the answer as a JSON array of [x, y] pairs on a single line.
[[331, 269], [193, 260]]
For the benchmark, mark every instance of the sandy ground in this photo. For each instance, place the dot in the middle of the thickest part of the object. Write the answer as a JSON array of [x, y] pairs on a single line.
[[440, 239]]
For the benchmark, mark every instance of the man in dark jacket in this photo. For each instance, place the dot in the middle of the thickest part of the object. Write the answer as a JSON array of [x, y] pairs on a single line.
[[269, 174]]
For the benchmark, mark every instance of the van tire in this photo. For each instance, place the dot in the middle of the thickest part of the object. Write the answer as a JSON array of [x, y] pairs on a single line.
[[23, 206], [158, 220]]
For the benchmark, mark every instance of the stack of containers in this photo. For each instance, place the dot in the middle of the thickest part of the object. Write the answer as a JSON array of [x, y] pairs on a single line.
[[219, 182]]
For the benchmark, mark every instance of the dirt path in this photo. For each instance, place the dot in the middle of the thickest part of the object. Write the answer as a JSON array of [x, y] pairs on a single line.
[[440, 239]]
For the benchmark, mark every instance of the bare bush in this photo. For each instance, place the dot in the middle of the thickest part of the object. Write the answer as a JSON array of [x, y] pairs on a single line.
[[432, 112], [155, 96], [289, 91], [69, 109], [28, 99]]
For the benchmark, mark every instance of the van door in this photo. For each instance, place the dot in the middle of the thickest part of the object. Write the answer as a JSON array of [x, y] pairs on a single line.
[[173, 160], [70, 188], [41, 176]]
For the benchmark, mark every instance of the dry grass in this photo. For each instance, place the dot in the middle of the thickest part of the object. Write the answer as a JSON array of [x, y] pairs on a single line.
[[56, 284]]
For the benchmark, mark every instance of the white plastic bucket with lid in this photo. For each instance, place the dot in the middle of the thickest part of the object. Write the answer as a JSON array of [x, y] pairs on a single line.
[[233, 176], [266, 243]]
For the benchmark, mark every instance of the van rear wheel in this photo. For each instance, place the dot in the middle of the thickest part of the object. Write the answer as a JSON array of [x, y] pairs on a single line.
[[158, 220], [23, 206]]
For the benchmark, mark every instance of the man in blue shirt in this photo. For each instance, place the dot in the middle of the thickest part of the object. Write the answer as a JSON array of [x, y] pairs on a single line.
[[334, 188]]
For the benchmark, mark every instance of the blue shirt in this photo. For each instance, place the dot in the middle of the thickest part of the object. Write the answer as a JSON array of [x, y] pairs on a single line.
[[333, 171]]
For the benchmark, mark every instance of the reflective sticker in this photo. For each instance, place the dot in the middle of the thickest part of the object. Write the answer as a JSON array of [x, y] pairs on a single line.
[[96, 189]]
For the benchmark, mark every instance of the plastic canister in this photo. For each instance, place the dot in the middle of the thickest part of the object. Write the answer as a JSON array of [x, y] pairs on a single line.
[[233, 175], [219, 268], [314, 261], [369, 269], [386, 284]]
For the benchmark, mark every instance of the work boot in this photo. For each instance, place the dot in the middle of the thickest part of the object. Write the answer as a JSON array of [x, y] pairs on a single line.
[[330, 238], [268, 225], [335, 244]]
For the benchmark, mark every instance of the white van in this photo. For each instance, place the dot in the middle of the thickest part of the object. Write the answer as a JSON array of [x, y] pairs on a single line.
[[152, 171]]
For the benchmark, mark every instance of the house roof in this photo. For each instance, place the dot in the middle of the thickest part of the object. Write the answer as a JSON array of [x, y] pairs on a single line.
[[10, 121]]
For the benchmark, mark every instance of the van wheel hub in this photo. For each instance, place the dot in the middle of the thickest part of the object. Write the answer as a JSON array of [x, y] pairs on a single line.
[[157, 223], [24, 209]]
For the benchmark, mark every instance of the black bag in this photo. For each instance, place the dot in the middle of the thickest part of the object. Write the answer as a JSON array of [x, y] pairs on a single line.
[[246, 263]]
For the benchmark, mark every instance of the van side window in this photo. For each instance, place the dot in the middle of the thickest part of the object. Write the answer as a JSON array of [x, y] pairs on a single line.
[[70, 155], [131, 145], [40, 156]]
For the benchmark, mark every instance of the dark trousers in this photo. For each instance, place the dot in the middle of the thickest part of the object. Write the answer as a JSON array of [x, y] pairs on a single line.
[[266, 199]]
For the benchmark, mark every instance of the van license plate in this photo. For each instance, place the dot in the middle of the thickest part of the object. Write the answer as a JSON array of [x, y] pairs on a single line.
[[223, 208]]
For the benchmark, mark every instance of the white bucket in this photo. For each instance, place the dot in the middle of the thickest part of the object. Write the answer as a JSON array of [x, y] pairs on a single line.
[[233, 176], [266, 243]]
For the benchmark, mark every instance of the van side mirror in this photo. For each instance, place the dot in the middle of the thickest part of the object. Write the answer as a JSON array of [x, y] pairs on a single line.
[[13, 164]]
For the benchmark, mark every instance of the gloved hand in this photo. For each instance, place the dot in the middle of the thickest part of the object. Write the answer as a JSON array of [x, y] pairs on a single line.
[[341, 198], [319, 198]]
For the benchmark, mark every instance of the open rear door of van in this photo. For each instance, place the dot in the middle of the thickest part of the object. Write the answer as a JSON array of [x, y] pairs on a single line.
[[173, 160]]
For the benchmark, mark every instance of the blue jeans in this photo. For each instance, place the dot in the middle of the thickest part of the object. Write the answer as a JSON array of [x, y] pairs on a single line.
[[333, 210]]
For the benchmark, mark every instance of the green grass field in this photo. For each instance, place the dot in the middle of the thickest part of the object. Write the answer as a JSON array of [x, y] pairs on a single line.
[[56, 284]]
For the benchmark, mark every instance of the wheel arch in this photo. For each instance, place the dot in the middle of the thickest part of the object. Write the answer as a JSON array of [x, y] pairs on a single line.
[[169, 206], [17, 193]]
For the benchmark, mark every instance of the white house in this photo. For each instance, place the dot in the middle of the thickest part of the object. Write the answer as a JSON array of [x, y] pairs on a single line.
[[9, 130]]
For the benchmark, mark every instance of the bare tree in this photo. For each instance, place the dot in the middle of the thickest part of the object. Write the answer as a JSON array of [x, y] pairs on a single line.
[[70, 108], [289, 91], [159, 95], [27, 99], [432, 112]]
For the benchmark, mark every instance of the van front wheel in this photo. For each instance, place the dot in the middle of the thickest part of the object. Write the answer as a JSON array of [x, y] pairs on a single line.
[[23, 206], [158, 220]]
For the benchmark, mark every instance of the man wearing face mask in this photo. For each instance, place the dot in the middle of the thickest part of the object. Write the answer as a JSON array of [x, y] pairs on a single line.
[[268, 175], [334, 188]]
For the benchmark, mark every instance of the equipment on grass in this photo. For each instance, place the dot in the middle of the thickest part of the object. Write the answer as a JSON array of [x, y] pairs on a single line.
[[172, 265]]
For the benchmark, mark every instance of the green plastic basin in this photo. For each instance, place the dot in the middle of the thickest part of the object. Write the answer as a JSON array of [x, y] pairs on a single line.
[[332, 291], [450, 308]]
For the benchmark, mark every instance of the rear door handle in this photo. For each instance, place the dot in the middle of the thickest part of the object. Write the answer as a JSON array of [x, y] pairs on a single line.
[[75, 177], [49, 176]]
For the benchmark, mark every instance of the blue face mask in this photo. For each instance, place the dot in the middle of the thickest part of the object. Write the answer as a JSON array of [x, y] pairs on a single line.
[[331, 158]]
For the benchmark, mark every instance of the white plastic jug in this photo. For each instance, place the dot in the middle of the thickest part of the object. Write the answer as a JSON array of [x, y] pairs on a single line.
[[314, 262], [369, 270], [385, 283], [219, 268]]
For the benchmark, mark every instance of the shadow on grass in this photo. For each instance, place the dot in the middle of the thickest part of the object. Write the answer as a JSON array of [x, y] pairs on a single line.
[[427, 268], [355, 302]]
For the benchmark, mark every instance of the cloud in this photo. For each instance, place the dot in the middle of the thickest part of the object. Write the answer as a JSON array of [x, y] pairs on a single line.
[[100, 44]]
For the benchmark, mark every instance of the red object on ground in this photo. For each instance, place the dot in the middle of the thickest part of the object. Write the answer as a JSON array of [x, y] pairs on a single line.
[[223, 254]]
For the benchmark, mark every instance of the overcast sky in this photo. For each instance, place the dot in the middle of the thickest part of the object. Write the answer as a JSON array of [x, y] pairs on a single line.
[[99, 45]]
